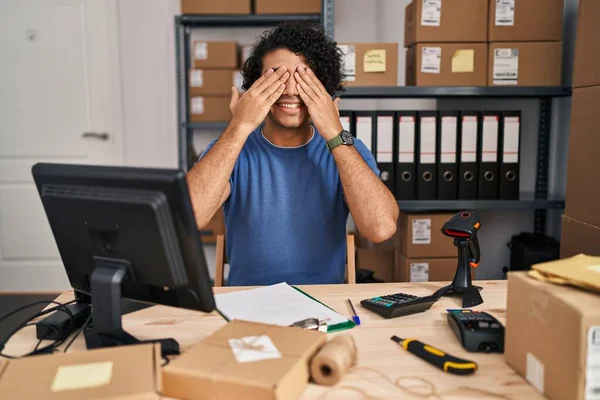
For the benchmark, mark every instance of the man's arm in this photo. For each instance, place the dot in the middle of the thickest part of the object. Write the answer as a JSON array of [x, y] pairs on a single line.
[[373, 207], [208, 180]]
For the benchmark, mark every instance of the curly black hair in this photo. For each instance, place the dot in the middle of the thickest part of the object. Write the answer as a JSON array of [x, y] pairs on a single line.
[[321, 53]]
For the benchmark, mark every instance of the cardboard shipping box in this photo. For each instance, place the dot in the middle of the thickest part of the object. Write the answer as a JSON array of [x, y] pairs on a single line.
[[370, 64], [578, 237], [287, 7], [447, 64], [378, 260], [552, 337], [132, 372], [425, 269], [586, 65], [583, 163], [210, 108], [525, 20], [216, 7], [245, 360], [420, 236], [449, 21], [215, 54], [525, 64], [214, 81]]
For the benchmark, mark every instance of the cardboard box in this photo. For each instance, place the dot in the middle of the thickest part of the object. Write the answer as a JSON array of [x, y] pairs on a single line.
[[586, 64], [214, 81], [420, 236], [370, 64], [379, 260], [216, 7], [425, 269], [551, 330], [525, 20], [131, 372], [210, 109], [447, 64], [454, 21], [211, 370], [215, 54], [578, 237], [583, 188], [287, 7], [525, 64]]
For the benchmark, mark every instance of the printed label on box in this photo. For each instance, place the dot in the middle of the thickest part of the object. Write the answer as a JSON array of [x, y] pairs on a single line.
[[197, 78], [197, 105], [201, 51], [505, 12], [535, 372], [253, 348], [431, 12], [431, 59], [421, 231], [506, 66], [592, 365], [419, 272], [349, 52]]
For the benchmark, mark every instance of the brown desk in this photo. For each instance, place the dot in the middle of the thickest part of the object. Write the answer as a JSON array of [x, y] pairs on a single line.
[[376, 350]]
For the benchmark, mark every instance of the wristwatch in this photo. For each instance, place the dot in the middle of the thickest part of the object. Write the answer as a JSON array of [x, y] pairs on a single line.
[[344, 138]]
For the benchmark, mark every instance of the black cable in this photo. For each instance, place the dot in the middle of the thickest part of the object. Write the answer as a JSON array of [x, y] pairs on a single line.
[[85, 324]]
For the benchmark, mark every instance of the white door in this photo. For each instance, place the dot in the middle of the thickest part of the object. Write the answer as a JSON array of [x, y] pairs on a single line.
[[59, 102]]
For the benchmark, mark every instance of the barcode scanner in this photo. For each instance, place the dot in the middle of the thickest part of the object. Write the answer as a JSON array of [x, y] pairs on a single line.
[[463, 228]]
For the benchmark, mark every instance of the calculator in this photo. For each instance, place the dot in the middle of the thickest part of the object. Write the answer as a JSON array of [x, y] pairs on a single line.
[[477, 331], [398, 304]]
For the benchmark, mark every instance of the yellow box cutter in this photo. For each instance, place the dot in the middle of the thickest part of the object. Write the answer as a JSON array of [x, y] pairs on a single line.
[[436, 357]]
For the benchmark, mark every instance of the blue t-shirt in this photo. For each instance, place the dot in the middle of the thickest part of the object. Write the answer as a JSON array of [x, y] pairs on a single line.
[[286, 215]]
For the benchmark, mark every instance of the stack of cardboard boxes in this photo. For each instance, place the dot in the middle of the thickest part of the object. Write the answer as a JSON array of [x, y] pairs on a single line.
[[484, 43], [581, 222]]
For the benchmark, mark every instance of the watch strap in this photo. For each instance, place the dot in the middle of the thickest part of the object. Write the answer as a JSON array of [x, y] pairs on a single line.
[[335, 142]]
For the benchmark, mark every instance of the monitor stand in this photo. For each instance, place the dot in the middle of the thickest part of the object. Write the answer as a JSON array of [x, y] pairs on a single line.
[[105, 329]]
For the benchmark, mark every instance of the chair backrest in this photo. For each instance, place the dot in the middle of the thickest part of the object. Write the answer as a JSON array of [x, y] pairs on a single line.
[[221, 260]]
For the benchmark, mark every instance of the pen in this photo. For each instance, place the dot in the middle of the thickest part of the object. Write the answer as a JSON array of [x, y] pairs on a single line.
[[437, 357], [355, 317]]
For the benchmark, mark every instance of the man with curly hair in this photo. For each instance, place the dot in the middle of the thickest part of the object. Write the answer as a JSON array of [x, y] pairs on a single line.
[[285, 171]]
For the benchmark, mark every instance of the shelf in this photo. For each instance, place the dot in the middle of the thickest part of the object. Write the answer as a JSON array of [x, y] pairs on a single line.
[[527, 202], [244, 20], [399, 92], [207, 125]]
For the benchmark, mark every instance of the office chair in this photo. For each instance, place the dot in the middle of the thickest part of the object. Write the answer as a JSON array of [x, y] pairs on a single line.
[[221, 260]]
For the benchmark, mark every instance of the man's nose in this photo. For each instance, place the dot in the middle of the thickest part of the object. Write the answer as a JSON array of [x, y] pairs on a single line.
[[290, 86]]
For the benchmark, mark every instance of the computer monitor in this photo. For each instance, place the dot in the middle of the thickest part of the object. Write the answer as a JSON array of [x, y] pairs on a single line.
[[125, 232]]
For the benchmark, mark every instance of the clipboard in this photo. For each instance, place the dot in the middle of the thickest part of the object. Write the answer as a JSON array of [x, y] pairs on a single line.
[[330, 328]]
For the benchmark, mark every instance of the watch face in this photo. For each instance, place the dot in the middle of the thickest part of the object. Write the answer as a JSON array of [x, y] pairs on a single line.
[[347, 138]]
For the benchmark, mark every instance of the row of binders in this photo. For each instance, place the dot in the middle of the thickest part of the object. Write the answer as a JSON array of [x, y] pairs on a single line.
[[442, 155]]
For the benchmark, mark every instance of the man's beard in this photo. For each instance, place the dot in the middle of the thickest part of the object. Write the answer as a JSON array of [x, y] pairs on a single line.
[[288, 123]]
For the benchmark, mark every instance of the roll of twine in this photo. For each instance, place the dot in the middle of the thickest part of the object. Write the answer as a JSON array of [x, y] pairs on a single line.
[[333, 360]]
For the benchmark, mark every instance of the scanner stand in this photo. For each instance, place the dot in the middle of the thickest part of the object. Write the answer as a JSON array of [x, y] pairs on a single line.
[[105, 328], [462, 283]]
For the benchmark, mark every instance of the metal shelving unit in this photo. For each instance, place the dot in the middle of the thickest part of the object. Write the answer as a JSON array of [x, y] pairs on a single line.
[[538, 200]]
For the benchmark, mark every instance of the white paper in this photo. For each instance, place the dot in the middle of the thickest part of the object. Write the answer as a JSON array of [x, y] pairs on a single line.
[[197, 105], [431, 12], [349, 62], [592, 365], [385, 135], [345, 121], [489, 145], [406, 140], [431, 58], [505, 12], [197, 78], [364, 131], [468, 147], [419, 272], [506, 67], [278, 304], [201, 51], [421, 231], [428, 139], [535, 372], [510, 148], [448, 142], [254, 348]]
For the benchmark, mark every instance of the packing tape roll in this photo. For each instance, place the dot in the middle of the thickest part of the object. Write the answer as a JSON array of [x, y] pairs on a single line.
[[333, 360]]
